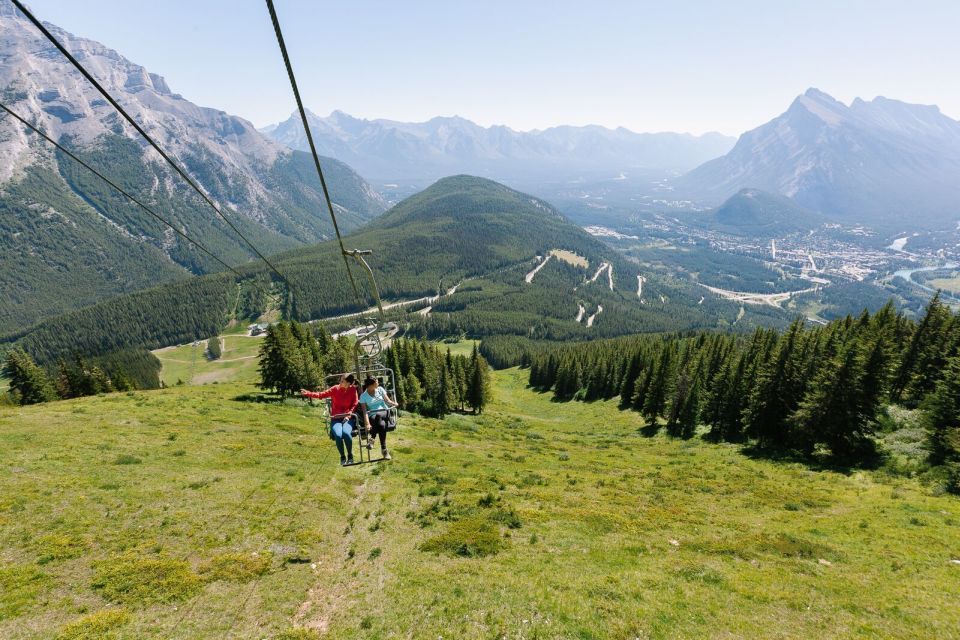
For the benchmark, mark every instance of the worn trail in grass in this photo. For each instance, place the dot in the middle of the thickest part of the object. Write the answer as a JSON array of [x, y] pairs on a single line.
[[187, 514]]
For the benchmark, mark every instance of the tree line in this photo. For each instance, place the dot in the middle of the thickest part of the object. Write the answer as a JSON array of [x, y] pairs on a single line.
[[810, 391], [433, 382], [75, 377], [428, 380]]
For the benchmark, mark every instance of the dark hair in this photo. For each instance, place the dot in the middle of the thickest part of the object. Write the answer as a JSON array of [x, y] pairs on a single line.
[[369, 381], [349, 378]]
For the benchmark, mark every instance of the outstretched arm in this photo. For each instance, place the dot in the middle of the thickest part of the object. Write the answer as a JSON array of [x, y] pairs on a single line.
[[316, 395]]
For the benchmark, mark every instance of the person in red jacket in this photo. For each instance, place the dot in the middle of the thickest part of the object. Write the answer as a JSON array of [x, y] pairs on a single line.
[[343, 403]]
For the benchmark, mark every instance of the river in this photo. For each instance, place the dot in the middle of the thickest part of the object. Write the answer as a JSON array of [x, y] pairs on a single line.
[[907, 274]]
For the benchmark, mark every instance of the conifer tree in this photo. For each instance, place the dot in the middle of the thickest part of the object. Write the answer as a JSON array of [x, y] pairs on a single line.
[[942, 418], [924, 356], [689, 414], [678, 403], [28, 382], [213, 348], [640, 387], [288, 362], [655, 401], [771, 399], [393, 362], [479, 392], [443, 403], [832, 412]]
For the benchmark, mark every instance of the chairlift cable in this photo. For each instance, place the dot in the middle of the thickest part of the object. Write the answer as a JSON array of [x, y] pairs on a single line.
[[313, 148], [133, 199], [86, 74]]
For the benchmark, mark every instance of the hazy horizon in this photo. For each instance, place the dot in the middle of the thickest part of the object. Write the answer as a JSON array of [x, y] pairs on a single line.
[[692, 67]]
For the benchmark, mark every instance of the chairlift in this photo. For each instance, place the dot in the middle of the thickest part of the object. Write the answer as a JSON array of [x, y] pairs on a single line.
[[387, 379]]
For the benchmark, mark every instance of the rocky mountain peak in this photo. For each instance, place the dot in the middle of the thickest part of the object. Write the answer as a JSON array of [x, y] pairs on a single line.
[[821, 105], [870, 162]]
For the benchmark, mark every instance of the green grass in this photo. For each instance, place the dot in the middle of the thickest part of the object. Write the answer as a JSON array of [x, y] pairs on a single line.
[[534, 520], [460, 347], [189, 364], [951, 284]]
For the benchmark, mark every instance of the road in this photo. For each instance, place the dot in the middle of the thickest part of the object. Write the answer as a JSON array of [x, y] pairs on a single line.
[[772, 299]]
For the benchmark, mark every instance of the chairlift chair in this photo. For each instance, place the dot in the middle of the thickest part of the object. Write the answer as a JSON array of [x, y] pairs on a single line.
[[387, 380]]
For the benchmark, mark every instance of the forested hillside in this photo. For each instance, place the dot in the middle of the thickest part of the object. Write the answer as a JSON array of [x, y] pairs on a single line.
[[465, 232], [71, 240], [817, 392]]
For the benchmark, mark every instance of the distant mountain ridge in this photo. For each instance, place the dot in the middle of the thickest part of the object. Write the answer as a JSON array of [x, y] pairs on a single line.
[[462, 232], [871, 162], [69, 240], [390, 150]]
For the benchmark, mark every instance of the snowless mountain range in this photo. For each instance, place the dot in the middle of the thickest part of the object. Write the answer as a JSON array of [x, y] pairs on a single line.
[[878, 162], [69, 240], [386, 150], [881, 162]]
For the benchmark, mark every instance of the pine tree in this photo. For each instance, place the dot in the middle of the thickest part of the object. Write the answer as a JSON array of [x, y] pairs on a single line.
[[412, 392], [393, 361], [99, 381], [689, 414], [942, 419], [287, 362], [459, 383], [656, 393], [773, 397], [69, 381], [443, 402], [213, 348], [924, 356], [28, 382], [678, 403], [479, 391], [832, 412]]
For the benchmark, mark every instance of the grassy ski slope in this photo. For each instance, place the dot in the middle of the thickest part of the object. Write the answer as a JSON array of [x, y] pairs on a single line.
[[187, 513]]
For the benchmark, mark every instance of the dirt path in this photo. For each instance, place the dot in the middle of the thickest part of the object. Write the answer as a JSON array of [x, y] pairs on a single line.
[[529, 277], [334, 584], [600, 269], [594, 316]]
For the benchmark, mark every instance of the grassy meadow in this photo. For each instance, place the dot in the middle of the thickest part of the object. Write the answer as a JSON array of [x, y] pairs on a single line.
[[189, 364], [193, 512]]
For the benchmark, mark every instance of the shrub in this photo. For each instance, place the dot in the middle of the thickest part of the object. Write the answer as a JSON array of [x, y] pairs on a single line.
[[58, 547], [471, 537], [96, 626], [236, 567], [297, 634], [138, 580], [19, 587]]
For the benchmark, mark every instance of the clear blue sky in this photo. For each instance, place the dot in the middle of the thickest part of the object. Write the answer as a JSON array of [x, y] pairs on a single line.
[[681, 65]]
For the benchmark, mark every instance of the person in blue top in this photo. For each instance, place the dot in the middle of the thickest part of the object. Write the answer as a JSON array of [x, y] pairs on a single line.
[[376, 411]]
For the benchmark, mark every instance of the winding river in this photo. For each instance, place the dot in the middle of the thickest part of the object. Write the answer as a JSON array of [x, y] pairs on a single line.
[[907, 274]]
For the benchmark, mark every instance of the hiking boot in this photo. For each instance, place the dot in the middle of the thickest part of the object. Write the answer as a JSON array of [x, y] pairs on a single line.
[[343, 462], [386, 455], [349, 460]]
